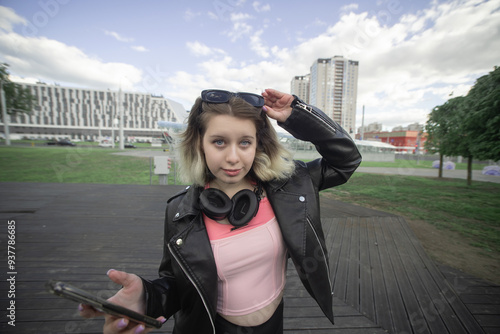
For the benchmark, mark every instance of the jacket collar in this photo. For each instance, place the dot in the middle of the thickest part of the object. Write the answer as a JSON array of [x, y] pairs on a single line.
[[189, 203]]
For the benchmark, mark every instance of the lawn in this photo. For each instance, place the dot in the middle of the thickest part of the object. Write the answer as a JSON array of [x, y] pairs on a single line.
[[473, 211], [401, 163], [449, 204], [73, 165]]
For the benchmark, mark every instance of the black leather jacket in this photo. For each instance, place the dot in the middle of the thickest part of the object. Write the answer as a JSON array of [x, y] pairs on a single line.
[[187, 287]]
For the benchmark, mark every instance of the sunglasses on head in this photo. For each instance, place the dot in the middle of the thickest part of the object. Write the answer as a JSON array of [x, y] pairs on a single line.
[[223, 96]]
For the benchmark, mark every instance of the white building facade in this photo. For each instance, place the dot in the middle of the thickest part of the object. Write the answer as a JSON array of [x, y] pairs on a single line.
[[87, 114]]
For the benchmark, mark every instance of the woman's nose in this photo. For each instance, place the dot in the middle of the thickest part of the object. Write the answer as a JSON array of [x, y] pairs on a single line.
[[232, 154]]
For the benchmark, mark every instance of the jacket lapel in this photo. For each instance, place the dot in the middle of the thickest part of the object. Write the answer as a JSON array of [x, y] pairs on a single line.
[[290, 211], [193, 249]]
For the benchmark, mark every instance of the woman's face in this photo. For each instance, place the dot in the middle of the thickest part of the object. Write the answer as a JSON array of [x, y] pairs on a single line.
[[229, 145]]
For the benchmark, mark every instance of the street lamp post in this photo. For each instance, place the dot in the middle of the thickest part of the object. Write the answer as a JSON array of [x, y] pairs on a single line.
[[115, 123], [120, 111], [5, 116]]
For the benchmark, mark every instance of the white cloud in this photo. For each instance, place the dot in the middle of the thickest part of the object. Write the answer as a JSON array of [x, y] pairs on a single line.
[[10, 19], [259, 8], [257, 45], [118, 37], [39, 58], [189, 15], [139, 48], [240, 27], [50, 60], [222, 10], [198, 49], [202, 50], [408, 64], [349, 8]]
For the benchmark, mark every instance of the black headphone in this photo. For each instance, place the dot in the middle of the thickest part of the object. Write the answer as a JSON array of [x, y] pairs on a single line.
[[239, 210]]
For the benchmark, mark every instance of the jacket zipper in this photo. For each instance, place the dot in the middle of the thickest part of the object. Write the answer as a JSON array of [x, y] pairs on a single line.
[[194, 284], [318, 115], [324, 255]]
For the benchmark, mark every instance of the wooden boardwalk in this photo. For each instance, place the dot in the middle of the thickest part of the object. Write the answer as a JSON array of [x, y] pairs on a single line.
[[383, 280]]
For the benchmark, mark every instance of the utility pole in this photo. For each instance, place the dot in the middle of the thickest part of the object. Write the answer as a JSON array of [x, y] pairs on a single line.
[[363, 124], [5, 116], [120, 110]]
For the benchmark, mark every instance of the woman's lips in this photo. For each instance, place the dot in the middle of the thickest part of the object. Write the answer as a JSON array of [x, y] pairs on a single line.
[[232, 172]]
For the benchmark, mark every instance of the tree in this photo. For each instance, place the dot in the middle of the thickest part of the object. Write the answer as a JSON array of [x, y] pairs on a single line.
[[468, 126], [17, 98], [445, 132], [483, 117]]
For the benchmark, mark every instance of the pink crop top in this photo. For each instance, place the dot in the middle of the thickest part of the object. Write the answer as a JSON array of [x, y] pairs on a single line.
[[251, 262]]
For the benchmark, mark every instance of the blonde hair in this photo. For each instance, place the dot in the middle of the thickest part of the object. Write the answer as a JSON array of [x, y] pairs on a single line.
[[272, 161]]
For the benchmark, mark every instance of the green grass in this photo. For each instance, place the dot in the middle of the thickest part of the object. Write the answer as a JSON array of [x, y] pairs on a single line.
[[73, 165], [473, 211], [399, 163]]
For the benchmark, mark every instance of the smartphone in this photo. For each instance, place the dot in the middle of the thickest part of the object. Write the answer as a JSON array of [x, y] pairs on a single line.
[[81, 296]]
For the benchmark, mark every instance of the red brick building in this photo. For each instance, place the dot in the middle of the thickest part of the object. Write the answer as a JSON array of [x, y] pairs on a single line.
[[405, 140]]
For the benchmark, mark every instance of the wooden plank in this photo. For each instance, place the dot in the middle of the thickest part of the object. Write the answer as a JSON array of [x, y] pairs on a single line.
[[398, 324], [55, 242], [352, 290], [334, 251], [341, 275], [381, 300], [376, 262], [418, 303], [445, 302], [367, 303]]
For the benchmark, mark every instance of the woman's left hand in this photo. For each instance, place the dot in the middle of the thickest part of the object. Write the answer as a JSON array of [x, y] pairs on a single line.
[[277, 104]]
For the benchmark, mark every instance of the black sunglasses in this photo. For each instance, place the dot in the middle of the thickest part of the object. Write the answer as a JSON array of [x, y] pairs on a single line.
[[223, 96]]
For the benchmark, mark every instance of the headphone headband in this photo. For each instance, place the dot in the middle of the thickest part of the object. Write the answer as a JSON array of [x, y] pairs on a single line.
[[239, 210]]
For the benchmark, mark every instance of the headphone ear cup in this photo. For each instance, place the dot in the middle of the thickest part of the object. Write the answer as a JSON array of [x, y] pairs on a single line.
[[245, 207], [215, 203]]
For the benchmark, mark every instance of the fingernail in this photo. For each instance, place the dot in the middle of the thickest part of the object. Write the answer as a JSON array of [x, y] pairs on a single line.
[[139, 329], [164, 320], [110, 270], [264, 108], [122, 324], [80, 307]]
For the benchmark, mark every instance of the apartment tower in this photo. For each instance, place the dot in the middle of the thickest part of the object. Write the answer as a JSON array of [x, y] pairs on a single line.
[[333, 87], [300, 87]]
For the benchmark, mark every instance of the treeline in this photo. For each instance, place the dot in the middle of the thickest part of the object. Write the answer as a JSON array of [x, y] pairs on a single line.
[[468, 126]]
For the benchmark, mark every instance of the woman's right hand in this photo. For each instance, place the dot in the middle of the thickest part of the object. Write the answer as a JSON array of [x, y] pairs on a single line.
[[130, 296]]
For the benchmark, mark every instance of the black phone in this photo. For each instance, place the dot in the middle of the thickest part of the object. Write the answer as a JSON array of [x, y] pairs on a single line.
[[81, 296]]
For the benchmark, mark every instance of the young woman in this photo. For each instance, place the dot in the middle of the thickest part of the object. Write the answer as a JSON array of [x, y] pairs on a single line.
[[250, 206]]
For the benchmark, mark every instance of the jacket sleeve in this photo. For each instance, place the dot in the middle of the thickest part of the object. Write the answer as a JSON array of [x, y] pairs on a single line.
[[161, 294], [340, 156]]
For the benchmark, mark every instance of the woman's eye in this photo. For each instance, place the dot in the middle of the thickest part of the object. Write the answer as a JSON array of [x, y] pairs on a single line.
[[218, 142], [246, 143]]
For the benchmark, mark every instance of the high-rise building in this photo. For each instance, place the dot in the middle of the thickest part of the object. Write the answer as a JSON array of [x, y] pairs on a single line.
[[333, 87], [300, 87], [86, 114]]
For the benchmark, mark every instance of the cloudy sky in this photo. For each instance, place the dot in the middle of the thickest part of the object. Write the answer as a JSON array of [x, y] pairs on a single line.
[[412, 53]]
